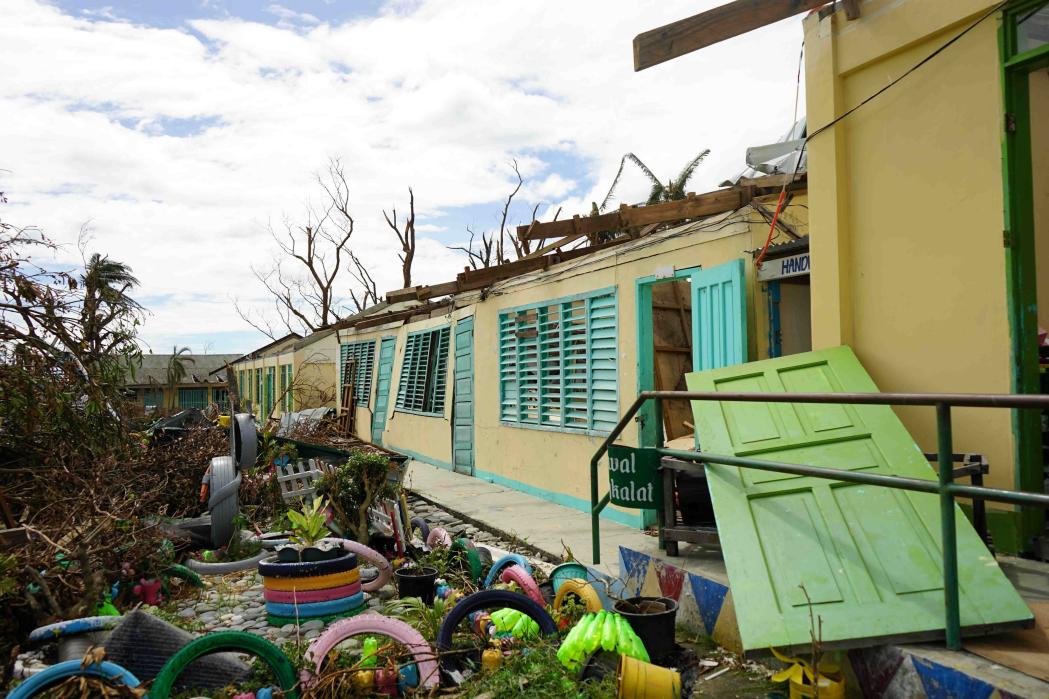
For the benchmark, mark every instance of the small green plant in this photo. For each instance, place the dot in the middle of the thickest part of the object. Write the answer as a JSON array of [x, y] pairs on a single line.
[[354, 486], [307, 525], [413, 611]]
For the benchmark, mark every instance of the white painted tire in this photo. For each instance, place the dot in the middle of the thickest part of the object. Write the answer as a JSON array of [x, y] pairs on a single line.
[[223, 503]]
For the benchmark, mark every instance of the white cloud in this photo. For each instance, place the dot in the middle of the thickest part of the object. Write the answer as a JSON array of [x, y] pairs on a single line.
[[179, 144]]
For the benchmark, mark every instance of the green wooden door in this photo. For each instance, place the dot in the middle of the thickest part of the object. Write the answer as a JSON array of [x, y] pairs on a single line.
[[868, 557], [719, 316], [463, 405], [387, 349]]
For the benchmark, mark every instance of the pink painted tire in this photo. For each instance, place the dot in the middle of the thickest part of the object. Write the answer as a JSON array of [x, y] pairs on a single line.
[[526, 582], [301, 596], [439, 537], [372, 556], [372, 623]]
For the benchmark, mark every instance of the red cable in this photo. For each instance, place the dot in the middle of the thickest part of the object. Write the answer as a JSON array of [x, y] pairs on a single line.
[[772, 228]]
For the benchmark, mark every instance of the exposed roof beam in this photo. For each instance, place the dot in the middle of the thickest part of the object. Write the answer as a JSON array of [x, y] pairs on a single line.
[[686, 35]]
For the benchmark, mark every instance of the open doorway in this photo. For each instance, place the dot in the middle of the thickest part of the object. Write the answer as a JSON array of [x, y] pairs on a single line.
[[785, 277], [1025, 54]]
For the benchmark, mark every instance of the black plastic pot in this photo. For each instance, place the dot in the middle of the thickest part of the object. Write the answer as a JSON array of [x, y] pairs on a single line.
[[417, 582], [655, 629]]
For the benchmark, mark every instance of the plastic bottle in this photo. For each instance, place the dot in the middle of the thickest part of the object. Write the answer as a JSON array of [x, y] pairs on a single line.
[[571, 650], [371, 650], [624, 634], [593, 635], [521, 628], [609, 632], [492, 657]]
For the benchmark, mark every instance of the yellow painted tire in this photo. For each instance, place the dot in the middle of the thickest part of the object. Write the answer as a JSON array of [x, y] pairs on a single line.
[[313, 582], [583, 590]]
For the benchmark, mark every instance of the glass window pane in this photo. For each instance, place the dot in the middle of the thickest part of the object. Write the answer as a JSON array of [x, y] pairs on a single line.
[[1032, 29]]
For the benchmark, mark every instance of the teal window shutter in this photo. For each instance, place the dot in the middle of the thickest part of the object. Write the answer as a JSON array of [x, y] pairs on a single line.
[[424, 372], [363, 355], [558, 363]]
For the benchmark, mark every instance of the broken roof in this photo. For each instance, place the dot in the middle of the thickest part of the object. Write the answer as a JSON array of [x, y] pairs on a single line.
[[152, 369]]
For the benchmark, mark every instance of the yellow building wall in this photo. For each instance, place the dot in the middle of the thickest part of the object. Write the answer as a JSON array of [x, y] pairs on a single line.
[[908, 265], [316, 374], [552, 463]]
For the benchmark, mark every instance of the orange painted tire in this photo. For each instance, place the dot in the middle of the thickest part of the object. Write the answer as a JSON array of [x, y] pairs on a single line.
[[313, 582]]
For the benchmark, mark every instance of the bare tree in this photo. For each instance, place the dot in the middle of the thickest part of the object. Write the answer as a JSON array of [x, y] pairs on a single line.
[[370, 293], [406, 236], [302, 279], [492, 245]]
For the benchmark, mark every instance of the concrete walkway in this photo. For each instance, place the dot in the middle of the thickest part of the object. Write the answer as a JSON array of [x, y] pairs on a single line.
[[547, 526]]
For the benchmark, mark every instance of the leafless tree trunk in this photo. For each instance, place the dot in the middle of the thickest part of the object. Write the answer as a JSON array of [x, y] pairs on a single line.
[[302, 279], [491, 248], [370, 293], [406, 236], [480, 257]]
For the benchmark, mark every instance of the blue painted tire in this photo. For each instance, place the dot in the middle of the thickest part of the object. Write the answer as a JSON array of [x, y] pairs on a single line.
[[508, 560], [270, 568], [73, 627], [489, 599], [311, 609], [109, 672]]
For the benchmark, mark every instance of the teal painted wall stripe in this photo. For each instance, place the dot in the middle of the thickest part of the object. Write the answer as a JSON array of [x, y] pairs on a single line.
[[421, 457], [630, 520]]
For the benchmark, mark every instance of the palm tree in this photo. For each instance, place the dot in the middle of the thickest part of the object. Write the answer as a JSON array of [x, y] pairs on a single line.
[[106, 285], [177, 371], [671, 191]]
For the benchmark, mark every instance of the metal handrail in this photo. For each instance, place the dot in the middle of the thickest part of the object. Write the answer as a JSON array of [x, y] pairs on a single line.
[[944, 486]]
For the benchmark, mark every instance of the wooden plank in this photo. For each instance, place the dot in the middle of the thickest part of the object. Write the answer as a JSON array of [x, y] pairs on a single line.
[[556, 245], [671, 348], [772, 181], [577, 225], [693, 33], [852, 9], [410, 293]]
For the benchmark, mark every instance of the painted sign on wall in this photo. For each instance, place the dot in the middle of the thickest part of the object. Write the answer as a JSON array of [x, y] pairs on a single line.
[[633, 476], [783, 267]]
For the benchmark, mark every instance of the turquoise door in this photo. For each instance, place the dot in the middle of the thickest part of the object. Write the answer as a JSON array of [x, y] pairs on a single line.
[[719, 316], [463, 406], [382, 388]]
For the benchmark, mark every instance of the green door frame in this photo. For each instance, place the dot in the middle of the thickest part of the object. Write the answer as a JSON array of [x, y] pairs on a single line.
[[1020, 269], [649, 430]]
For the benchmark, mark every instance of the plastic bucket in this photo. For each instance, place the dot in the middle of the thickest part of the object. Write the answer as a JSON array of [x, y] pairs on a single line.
[[656, 630], [416, 582], [641, 680]]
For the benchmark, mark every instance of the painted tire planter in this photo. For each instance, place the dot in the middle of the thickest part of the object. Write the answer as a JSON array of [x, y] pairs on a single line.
[[323, 595], [222, 502], [176, 570], [269, 567], [316, 582], [285, 620], [473, 559], [583, 591], [221, 641], [272, 540], [377, 560], [487, 599], [332, 586], [567, 571], [42, 681], [313, 610], [73, 627], [439, 536], [526, 582], [393, 629], [507, 560], [226, 567]]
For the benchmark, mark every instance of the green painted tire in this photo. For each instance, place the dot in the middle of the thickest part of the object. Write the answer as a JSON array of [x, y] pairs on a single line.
[[177, 570], [473, 559], [274, 620], [222, 641]]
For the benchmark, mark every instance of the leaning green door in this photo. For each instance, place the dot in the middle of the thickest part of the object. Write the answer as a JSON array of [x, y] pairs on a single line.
[[382, 388], [867, 557], [463, 408]]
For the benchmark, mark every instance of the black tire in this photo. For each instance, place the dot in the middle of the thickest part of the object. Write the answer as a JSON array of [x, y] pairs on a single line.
[[270, 568], [420, 524], [486, 599]]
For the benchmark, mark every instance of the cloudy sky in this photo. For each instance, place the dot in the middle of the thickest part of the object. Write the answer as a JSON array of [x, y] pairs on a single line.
[[176, 131]]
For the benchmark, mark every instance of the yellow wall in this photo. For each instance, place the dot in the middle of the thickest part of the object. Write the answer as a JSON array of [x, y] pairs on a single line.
[[551, 460], [313, 374], [906, 200]]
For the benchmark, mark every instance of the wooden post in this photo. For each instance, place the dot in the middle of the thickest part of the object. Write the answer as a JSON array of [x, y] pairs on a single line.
[[232, 390]]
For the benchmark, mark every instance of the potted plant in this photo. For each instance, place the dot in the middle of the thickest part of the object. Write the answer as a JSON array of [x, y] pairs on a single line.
[[310, 578]]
